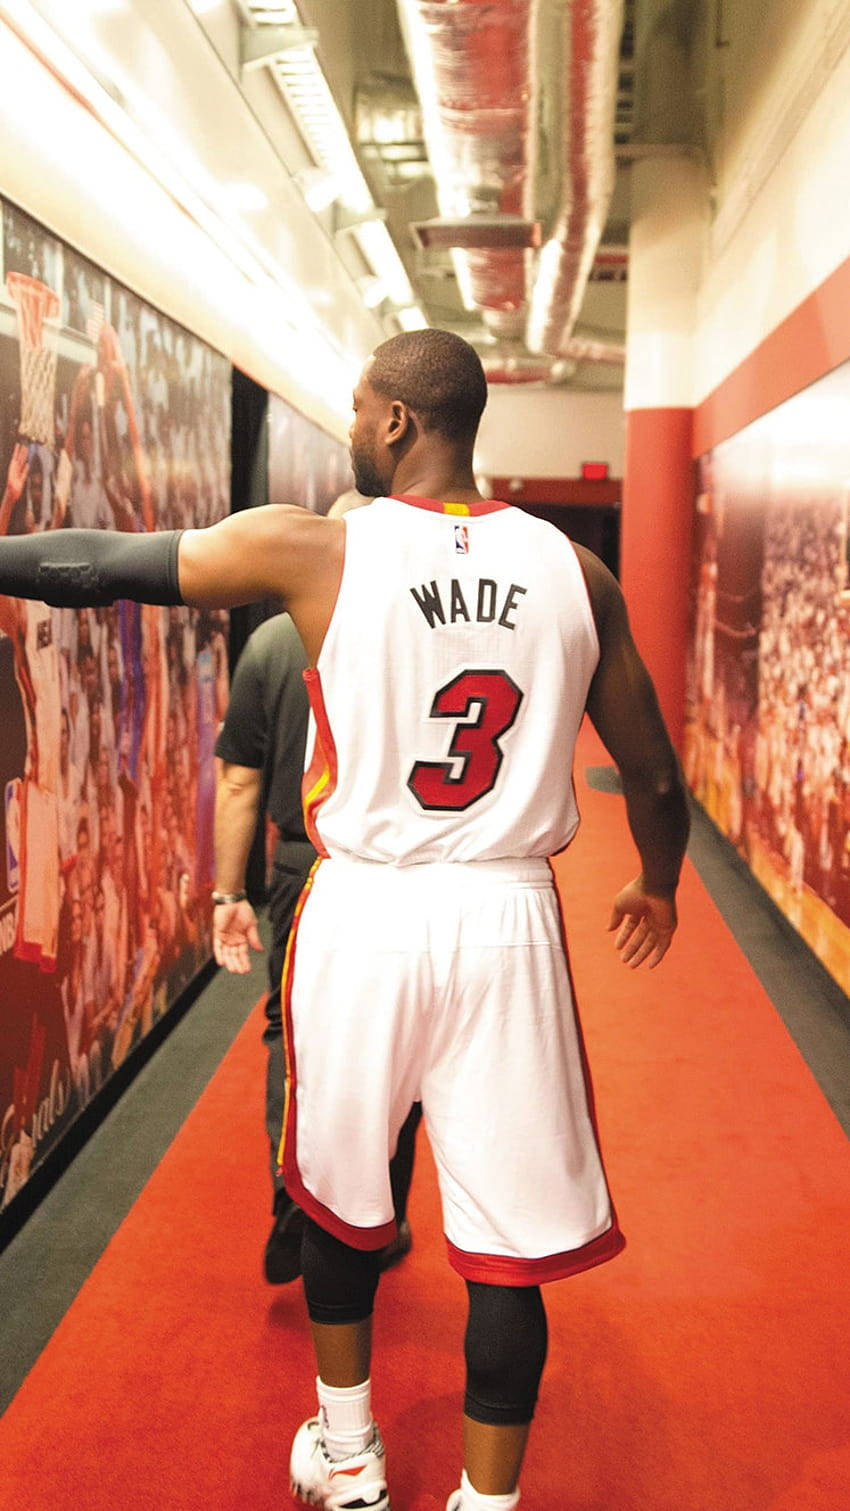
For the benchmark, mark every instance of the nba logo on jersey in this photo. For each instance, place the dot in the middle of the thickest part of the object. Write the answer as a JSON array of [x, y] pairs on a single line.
[[13, 834], [461, 540]]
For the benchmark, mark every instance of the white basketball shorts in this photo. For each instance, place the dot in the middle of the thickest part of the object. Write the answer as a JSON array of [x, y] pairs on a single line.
[[449, 984]]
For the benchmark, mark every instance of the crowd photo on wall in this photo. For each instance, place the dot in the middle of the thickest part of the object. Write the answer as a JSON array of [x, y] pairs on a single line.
[[111, 416], [767, 743]]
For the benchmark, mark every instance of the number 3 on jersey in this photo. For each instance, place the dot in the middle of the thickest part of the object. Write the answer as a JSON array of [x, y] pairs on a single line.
[[475, 740]]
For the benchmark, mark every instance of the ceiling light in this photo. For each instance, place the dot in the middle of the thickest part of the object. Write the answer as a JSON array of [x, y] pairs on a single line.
[[244, 197], [411, 318], [379, 248], [319, 188], [372, 291]]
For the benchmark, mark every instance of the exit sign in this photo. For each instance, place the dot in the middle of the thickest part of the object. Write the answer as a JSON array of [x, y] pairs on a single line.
[[594, 472]]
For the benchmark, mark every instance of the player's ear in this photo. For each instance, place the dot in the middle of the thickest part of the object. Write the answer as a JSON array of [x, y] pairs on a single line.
[[398, 422]]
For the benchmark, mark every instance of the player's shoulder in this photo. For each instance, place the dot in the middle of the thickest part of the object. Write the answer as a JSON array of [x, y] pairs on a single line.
[[603, 589]]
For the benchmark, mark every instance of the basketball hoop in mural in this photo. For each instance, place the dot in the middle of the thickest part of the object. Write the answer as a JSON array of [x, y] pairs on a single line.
[[37, 307]]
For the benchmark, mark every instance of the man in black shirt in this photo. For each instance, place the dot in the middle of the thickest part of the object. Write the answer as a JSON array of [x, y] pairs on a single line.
[[261, 744]]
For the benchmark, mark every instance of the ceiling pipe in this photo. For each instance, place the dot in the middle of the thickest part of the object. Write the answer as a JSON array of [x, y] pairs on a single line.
[[593, 41], [479, 67], [471, 64], [527, 369]]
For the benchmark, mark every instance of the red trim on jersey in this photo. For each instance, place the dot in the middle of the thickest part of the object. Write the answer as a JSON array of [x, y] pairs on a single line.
[[483, 506], [356, 1238], [503, 1269], [320, 778]]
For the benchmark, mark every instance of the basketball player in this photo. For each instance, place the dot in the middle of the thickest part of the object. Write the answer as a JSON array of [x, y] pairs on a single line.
[[454, 644], [30, 627]]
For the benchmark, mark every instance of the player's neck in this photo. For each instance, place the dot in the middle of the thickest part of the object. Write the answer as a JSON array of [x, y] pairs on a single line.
[[440, 475]]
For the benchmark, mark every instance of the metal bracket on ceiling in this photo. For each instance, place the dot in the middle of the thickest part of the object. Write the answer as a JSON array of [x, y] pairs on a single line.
[[347, 220], [261, 45], [475, 231]]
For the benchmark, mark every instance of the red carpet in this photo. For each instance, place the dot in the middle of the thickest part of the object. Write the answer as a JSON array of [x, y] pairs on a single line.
[[704, 1370]]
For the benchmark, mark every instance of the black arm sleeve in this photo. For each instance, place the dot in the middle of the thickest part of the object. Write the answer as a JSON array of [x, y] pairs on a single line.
[[88, 568]]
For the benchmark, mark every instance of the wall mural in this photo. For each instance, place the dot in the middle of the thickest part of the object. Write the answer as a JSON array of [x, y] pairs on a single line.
[[114, 417], [306, 466], [767, 741]]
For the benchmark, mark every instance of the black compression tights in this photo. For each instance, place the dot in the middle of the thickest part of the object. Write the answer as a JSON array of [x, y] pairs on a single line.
[[339, 1282], [506, 1333], [505, 1349]]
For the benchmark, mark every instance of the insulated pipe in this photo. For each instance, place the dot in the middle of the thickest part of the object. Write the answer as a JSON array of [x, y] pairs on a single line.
[[471, 64], [478, 66], [593, 41]]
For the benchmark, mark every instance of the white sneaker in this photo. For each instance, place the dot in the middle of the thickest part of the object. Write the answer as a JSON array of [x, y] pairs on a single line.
[[356, 1483]]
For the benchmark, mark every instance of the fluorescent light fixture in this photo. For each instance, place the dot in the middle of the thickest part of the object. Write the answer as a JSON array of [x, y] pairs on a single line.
[[308, 96], [245, 197], [188, 185], [379, 249], [100, 7], [411, 318], [319, 188], [372, 291]]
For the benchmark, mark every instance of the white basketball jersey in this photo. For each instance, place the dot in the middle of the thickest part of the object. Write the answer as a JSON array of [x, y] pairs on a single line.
[[450, 687], [42, 657]]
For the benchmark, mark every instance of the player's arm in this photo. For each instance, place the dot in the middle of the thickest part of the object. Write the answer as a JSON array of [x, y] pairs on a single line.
[[237, 806], [255, 554], [15, 482], [624, 709], [241, 749]]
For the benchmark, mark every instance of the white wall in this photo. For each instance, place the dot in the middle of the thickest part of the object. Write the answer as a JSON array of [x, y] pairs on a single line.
[[140, 185], [537, 432], [781, 221]]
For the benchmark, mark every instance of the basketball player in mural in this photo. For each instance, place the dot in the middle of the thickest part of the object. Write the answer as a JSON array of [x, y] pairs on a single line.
[[30, 627]]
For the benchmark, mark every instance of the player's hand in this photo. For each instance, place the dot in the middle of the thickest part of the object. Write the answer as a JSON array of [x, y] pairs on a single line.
[[18, 468], [645, 924], [235, 934]]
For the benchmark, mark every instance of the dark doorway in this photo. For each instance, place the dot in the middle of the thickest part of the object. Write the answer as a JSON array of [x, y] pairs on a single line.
[[596, 526]]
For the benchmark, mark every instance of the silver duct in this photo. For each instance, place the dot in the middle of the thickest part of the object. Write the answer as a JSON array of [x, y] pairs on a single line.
[[470, 60], [593, 39], [501, 126]]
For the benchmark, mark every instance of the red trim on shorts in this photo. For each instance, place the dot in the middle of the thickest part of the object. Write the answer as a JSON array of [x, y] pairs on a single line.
[[503, 1269], [437, 506], [320, 778], [499, 1269], [585, 1064], [356, 1238]]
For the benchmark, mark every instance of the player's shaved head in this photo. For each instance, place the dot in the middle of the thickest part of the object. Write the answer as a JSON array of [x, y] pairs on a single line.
[[437, 375]]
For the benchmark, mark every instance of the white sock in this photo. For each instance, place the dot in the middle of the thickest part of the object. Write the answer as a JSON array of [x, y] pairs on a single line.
[[345, 1412], [473, 1500]]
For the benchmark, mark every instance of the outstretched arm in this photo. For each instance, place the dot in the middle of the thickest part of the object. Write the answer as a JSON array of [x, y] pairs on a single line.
[[272, 551], [237, 806], [624, 709]]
